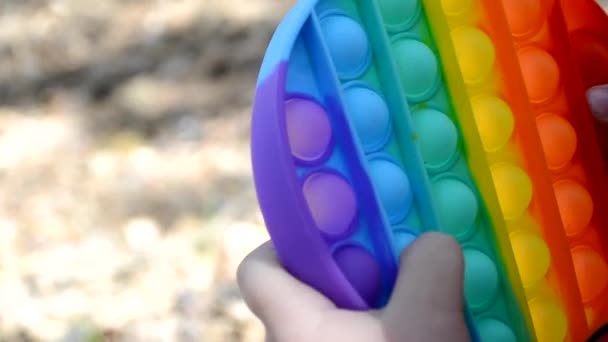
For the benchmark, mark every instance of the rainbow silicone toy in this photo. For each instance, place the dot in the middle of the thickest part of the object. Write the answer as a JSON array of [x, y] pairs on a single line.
[[378, 120]]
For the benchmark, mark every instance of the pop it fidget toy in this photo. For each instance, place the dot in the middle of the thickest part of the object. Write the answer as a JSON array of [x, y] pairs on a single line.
[[378, 120]]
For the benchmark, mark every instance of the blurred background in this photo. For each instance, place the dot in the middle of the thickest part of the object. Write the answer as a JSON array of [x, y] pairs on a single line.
[[126, 197]]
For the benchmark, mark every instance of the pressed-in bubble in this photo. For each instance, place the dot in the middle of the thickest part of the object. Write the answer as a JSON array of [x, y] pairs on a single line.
[[540, 72], [437, 137], [457, 206], [549, 320], [331, 201], [399, 14], [393, 188], [456, 7], [575, 206], [361, 270], [558, 139], [531, 255], [369, 114], [494, 331], [514, 189], [523, 16], [418, 68], [308, 129], [348, 45], [475, 53], [480, 279], [494, 120], [591, 272]]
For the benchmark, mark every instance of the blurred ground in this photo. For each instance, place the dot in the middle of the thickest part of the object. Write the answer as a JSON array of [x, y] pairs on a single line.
[[127, 199]]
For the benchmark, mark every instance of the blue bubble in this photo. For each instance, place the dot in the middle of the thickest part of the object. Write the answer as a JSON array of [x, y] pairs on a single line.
[[401, 240], [370, 116], [393, 188], [348, 45]]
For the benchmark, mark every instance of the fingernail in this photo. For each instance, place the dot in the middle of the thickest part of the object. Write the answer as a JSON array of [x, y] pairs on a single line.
[[598, 100]]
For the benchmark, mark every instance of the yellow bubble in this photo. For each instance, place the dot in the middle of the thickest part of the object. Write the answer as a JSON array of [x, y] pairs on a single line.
[[475, 53], [531, 255], [456, 7], [494, 120], [514, 189], [549, 320]]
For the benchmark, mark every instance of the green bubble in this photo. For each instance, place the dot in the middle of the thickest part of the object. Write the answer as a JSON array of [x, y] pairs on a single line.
[[495, 331], [399, 13], [456, 205], [437, 137], [417, 67], [480, 279]]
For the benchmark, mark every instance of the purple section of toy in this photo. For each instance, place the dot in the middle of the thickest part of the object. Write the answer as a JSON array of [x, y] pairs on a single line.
[[300, 247]]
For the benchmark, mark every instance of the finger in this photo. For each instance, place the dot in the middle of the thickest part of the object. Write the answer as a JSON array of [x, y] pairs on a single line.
[[429, 292], [272, 293], [598, 100], [431, 273]]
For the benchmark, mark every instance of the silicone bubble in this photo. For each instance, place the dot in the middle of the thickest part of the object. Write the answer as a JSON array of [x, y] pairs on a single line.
[[475, 53], [524, 16], [402, 239], [457, 206], [575, 206], [480, 279], [531, 255], [549, 320], [540, 72], [418, 68], [348, 45], [514, 189], [308, 129], [331, 201], [437, 137], [494, 120], [369, 114], [456, 7], [494, 330], [362, 271], [591, 272], [393, 187], [399, 14], [558, 139]]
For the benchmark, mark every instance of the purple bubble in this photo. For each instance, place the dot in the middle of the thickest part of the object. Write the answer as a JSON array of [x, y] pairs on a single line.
[[308, 129], [331, 201], [361, 270]]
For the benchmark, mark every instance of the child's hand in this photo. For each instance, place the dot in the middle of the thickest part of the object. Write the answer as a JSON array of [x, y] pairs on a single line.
[[427, 303]]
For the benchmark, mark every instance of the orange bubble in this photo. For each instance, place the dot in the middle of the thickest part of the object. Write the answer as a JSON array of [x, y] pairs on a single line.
[[540, 72], [591, 272], [523, 16], [558, 139], [575, 206]]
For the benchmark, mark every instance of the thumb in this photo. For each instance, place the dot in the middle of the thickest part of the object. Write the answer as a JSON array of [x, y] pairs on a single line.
[[598, 100], [428, 300]]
